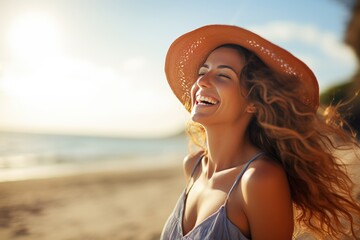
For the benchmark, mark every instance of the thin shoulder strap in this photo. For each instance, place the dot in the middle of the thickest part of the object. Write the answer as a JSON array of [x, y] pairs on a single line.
[[242, 173], [188, 188], [196, 164]]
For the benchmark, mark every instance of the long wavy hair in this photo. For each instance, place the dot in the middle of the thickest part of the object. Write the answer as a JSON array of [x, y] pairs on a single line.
[[306, 144]]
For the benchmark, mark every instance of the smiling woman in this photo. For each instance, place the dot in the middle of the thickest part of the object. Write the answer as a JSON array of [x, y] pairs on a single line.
[[33, 35], [268, 165]]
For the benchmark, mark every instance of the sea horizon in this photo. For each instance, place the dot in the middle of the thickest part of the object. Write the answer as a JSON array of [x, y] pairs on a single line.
[[26, 155]]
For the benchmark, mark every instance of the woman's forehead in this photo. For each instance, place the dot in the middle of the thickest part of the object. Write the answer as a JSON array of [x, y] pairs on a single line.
[[225, 56]]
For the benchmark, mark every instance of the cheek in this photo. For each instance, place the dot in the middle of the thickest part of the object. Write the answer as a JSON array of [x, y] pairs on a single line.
[[236, 101]]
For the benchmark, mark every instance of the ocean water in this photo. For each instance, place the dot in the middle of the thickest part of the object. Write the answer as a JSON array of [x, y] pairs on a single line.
[[26, 156]]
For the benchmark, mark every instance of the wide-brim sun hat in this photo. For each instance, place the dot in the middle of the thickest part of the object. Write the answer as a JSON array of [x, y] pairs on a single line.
[[188, 53]]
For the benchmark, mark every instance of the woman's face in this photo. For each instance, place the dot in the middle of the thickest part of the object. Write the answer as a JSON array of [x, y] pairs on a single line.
[[216, 96]]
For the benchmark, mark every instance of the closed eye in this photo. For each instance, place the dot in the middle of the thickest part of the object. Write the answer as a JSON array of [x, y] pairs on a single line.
[[225, 76], [201, 74], [203, 70]]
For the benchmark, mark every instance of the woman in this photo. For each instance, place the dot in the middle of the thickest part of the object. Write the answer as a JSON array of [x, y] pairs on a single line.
[[267, 163]]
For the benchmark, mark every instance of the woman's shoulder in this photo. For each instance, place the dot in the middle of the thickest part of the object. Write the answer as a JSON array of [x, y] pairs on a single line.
[[267, 199], [264, 172], [265, 185], [189, 163]]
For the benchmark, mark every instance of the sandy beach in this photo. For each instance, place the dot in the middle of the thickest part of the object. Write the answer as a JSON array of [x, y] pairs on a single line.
[[103, 205], [118, 204]]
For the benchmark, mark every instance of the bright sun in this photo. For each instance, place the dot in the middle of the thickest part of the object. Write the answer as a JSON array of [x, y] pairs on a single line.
[[33, 35]]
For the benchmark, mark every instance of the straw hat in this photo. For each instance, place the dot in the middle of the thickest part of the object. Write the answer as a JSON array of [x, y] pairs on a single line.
[[188, 52]]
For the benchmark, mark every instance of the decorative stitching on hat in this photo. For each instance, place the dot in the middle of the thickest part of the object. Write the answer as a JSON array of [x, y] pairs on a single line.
[[285, 66], [183, 60]]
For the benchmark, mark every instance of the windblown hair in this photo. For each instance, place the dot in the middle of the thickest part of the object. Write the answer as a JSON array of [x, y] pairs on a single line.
[[306, 144]]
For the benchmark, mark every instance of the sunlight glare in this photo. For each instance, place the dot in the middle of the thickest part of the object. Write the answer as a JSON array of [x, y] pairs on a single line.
[[33, 36]]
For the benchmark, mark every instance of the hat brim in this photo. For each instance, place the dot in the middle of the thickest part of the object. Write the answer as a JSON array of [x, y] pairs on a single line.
[[188, 52]]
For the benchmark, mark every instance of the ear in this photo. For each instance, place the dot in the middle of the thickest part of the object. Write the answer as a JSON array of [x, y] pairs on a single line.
[[251, 108]]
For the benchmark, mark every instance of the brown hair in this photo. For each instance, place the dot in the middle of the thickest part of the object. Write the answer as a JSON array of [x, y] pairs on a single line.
[[304, 143]]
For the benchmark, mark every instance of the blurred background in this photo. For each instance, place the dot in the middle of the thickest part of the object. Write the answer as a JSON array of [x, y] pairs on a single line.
[[82, 86], [79, 78]]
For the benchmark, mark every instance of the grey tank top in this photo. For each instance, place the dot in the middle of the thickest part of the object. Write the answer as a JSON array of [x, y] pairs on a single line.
[[215, 227]]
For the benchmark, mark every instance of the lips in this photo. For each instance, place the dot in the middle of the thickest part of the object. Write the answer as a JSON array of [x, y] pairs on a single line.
[[205, 100]]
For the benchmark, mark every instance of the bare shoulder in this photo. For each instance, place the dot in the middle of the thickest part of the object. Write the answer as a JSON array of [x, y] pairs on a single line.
[[264, 177], [267, 200], [262, 172], [189, 163]]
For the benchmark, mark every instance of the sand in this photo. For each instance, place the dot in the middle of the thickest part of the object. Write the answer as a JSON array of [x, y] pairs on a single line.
[[116, 204], [103, 205]]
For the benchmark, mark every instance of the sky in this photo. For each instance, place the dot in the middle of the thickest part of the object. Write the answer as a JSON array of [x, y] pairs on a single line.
[[96, 67]]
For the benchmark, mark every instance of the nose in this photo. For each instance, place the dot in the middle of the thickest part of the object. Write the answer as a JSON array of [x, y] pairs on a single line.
[[204, 81]]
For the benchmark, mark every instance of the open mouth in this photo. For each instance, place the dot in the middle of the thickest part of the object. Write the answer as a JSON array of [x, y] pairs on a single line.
[[206, 101]]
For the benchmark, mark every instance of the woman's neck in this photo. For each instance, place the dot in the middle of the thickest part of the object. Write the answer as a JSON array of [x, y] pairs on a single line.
[[227, 147]]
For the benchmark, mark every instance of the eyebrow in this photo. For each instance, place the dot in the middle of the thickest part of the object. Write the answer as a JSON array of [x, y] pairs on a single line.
[[220, 66]]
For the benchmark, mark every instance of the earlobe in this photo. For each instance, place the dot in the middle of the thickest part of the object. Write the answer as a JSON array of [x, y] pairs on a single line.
[[251, 108]]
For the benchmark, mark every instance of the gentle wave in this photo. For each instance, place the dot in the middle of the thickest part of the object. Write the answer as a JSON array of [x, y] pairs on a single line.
[[24, 156]]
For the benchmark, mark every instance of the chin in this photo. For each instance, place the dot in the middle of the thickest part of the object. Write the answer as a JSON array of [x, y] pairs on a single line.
[[196, 118], [200, 119]]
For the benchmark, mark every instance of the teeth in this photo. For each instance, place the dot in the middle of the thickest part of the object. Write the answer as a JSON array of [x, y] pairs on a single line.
[[203, 99]]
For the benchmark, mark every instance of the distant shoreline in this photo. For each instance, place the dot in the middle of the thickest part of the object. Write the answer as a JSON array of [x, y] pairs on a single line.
[[27, 156], [71, 169]]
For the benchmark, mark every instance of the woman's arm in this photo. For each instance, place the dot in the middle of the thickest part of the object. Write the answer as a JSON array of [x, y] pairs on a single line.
[[267, 201]]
